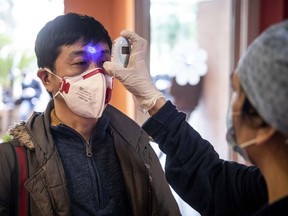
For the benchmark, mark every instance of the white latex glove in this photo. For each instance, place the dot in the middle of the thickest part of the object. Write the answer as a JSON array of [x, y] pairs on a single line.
[[135, 77]]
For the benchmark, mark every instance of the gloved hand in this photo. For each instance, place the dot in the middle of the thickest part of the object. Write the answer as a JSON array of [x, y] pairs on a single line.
[[135, 77]]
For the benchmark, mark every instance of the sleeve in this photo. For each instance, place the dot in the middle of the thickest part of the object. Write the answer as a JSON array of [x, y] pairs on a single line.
[[193, 168], [7, 176]]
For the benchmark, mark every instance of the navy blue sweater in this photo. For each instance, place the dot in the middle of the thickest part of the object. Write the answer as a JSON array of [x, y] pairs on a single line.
[[94, 177]]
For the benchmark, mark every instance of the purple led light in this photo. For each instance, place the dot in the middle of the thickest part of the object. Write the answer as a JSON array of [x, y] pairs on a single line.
[[91, 49]]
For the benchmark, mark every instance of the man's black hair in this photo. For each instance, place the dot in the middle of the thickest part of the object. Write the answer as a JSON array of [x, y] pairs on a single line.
[[66, 30]]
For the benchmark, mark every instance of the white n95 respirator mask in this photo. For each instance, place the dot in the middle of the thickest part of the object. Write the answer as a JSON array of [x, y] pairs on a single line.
[[86, 94]]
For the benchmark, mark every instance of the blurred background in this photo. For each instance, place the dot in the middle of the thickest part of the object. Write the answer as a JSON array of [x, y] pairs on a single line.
[[194, 47]]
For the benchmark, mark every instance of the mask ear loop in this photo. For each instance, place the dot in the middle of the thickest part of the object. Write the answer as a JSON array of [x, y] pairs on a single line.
[[49, 71], [236, 113], [248, 143], [64, 86]]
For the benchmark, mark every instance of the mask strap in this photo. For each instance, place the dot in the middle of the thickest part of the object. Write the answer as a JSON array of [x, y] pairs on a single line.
[[236, 113], [49, 71], [57, 93], [248, 143]]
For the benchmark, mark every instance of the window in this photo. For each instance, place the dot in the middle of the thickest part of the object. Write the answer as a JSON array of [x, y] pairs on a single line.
[[190, 60]]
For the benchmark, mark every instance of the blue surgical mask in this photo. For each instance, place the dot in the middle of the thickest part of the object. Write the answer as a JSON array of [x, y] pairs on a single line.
[[231, 137]]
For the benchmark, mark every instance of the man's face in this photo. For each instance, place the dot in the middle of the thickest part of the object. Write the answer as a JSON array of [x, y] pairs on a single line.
[[78, 58]]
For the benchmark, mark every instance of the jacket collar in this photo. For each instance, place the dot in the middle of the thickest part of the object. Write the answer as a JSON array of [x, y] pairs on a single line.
[[19, 131], [35, 133]]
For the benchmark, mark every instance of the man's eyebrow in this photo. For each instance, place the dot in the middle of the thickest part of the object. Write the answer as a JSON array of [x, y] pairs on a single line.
[[84, 52], [77, 53]]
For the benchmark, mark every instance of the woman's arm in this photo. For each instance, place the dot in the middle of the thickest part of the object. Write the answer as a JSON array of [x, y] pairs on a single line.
[[207, 183]]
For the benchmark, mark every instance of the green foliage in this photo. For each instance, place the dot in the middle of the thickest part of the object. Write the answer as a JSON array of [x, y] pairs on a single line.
[[4, 40], [6, 138], [10, 59], [5, 66], [27, 58], [172, 22]]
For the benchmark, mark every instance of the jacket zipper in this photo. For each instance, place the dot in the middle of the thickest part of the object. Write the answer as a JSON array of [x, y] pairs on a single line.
[[95, 174], [88, 150]]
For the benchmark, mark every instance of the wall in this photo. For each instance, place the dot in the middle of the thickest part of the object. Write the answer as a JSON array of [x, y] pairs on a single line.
[[214, 37]]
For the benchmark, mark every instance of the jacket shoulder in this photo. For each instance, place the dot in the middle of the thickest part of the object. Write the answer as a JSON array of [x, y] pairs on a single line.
[[125, 126], [7, 153], [7, 147], [118, 118]]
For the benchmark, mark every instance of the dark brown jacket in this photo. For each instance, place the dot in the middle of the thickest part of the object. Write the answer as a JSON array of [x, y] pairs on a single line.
[[148, 191]]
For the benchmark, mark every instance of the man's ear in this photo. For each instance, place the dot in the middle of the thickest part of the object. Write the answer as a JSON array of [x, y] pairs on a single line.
[[45, 79], [264, 134]]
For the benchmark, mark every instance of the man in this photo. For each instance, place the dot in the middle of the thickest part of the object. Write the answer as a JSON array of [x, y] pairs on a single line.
[[257, 124], [84, 157]]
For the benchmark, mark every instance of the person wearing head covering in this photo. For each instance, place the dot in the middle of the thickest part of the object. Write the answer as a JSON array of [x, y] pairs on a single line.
[[257, 128]]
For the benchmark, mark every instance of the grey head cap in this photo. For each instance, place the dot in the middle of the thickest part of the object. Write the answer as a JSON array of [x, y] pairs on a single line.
[[263, 72]]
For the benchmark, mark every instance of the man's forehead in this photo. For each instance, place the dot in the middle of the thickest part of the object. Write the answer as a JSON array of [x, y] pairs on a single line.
[[100, 47], [90, 50]]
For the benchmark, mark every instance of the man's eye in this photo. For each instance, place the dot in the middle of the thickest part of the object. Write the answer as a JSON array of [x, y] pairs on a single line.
[[81, 63]]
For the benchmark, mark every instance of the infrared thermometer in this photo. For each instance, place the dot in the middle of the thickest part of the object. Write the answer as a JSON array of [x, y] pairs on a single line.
[[120, 51]]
